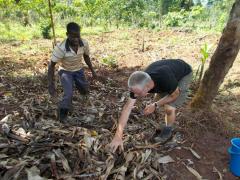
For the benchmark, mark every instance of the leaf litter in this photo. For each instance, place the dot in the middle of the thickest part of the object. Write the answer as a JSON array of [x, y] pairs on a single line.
[[33, 145]]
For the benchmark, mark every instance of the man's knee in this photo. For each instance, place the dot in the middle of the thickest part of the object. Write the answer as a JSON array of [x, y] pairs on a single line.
[[68, 95], [169, 110]]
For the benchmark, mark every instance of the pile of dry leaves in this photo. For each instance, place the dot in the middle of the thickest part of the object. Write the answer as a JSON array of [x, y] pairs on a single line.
[[33, 145]]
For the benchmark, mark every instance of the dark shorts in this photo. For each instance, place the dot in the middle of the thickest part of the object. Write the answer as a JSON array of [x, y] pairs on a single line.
[[183, 86]]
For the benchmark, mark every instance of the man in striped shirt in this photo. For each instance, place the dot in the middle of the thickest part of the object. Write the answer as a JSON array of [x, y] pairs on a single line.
[[70, 54]]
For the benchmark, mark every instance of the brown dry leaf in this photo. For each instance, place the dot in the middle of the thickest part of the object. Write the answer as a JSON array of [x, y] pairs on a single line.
[[6, 129], [137, 171], [88, 140], [60, 131], [165, 159], [14, 172], [54, 166], [129, 157], [194, 172], [65, 164], [6, 118], [149, 177], [146, 155], [3, 156], [218, 172], [109, 165], [96, 146], [21, 132], [33, 174], [193, 152], [140, 174], [121, 173]]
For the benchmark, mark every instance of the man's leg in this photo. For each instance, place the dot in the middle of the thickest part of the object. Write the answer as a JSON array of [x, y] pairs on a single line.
[[66, 102], [170, 109], [166, 132], [81, 82], [170, 114]]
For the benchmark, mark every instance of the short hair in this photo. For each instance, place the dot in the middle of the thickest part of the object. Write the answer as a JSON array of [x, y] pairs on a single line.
[[73, 27], [139, 79]]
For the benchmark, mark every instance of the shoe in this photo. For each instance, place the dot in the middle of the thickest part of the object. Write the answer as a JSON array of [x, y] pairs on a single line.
[[62, 115], [164, 136]]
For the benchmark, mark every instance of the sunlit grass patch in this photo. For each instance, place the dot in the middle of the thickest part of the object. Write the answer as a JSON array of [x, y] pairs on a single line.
[[124, 36], [15, 31]]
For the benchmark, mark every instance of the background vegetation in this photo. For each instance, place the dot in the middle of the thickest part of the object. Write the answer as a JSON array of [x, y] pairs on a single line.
[[26, 20]]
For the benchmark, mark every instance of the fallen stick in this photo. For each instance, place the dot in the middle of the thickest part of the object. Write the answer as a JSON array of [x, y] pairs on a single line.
[[6, 145], [54, 166], [86, 175], [150, 146]]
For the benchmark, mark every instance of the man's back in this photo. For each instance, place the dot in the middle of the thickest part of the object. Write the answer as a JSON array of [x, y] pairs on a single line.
[[177, 66]]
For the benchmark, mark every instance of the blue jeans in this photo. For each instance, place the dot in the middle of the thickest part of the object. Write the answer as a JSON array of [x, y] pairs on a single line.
[[68, 79]]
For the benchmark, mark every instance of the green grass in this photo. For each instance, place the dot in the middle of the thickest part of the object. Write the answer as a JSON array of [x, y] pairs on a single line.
[[124, 36], [16, 31]]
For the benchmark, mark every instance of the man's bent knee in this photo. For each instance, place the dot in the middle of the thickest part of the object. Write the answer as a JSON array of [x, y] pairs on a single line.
[[169, 110]]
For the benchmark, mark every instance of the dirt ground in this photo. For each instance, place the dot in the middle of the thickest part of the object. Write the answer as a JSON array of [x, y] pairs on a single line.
[[23, 94]]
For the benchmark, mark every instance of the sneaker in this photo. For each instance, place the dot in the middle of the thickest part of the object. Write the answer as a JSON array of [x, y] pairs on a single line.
[[164, 136], [62, 115]]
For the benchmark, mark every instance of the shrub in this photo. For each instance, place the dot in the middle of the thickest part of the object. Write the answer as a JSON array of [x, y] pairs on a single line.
[[45, 30], [109, 61], [174, 19]]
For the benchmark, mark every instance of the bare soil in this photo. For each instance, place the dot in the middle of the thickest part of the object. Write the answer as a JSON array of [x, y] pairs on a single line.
[[23, 93]]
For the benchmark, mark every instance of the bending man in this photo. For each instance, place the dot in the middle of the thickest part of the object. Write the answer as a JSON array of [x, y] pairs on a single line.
[[170, 79]]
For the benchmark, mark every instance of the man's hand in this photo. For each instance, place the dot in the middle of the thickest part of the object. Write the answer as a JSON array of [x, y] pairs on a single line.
[[116, 142], [149, 109], [52, 90]]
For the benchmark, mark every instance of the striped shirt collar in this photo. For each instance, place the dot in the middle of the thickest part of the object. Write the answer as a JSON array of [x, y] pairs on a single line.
[[67, 44]]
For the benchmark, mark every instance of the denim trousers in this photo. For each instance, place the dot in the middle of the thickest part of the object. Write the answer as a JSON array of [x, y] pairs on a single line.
[[68, 80]]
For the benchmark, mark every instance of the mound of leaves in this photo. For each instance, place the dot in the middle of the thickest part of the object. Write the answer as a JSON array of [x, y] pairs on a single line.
[[34, 145]]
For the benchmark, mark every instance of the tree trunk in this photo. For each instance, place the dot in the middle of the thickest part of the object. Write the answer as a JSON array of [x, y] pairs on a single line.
[[221, 61], [52, 23]]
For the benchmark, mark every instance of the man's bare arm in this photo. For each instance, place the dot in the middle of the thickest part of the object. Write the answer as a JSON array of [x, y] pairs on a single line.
[[88, 62], [169, 98], [117, 140], [51, 85], [127, 108]]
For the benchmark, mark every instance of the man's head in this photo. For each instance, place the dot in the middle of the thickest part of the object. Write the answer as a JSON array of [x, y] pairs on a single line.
[[140, 83], [73, 33]]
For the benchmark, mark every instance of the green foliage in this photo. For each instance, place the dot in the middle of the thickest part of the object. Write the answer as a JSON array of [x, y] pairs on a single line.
[[153, 14], [109, 61], [46, 30], [205, 53], [174, 19], [196, 11], [15, 31]]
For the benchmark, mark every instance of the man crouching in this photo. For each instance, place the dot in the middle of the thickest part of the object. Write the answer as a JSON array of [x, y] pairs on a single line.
[[70, 54], [170, 79]]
